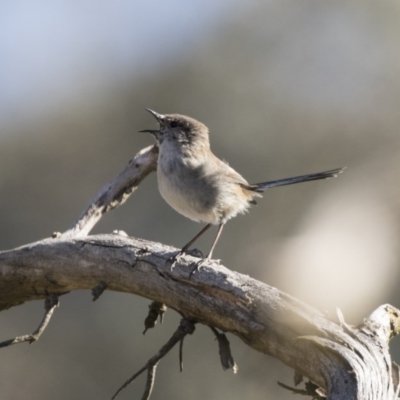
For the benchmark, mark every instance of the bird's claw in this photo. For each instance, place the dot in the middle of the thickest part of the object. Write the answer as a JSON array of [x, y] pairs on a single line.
[[194, 253], [197, 265], [173, 259]]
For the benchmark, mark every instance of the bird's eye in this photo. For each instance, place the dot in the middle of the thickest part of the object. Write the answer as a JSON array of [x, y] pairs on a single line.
[[173, 124]]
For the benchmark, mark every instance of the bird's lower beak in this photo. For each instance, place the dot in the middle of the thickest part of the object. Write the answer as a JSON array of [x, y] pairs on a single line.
[[153, 131], [157, 116]]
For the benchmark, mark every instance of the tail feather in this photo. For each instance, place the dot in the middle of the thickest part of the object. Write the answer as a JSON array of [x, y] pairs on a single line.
[[260, 187]]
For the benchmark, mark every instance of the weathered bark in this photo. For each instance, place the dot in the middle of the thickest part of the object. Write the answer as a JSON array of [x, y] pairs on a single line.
[[116, 192], [350, 363], [344, 361]]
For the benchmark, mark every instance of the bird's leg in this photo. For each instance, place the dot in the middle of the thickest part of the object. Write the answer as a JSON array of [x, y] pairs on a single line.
[[215, 241], [201, 262], [187, 245]]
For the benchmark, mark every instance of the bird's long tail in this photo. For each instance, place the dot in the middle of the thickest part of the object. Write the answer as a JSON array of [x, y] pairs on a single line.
[[260, 187]]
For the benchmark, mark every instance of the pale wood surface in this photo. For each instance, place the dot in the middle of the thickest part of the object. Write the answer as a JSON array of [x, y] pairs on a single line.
[[346, 362]]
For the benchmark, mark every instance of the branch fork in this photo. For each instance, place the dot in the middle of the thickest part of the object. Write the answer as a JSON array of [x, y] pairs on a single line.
[[342, 362]]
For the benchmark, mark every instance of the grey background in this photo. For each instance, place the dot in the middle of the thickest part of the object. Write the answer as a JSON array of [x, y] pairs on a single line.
[[286, 88]]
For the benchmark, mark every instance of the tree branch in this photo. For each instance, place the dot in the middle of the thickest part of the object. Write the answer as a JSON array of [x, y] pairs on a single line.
[[50, 305], [225, 353], [116, 192], [185, 327], [343, 361], [112, 195], [337, 357]]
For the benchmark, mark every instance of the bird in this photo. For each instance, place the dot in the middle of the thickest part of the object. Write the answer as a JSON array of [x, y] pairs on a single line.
[[199, 185]]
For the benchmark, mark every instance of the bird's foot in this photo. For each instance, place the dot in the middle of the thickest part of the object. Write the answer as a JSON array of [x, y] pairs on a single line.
[[197, 265], [194, 253]]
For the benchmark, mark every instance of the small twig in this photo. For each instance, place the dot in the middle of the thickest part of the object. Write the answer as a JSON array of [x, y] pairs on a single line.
[[151, 376], [156, 310], [294, 390], [98, 290], [225, 353], [311, 389], [185, 327], [181, 355], [50, 304]]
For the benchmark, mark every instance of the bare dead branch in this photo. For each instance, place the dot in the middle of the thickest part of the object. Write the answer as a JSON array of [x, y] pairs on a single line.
[[51, 303], [151, 376], [116, 192], [352, 359], [181, 355], [109, 197], [225, 353], [185, 327], [341, 360]]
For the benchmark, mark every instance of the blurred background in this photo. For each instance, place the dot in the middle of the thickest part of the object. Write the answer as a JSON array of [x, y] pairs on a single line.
[[286, 87]]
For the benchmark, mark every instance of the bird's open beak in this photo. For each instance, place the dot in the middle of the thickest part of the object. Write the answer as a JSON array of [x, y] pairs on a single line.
[[158, 117]]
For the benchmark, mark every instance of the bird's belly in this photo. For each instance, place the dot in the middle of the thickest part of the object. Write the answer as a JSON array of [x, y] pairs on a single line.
[[182, 199]]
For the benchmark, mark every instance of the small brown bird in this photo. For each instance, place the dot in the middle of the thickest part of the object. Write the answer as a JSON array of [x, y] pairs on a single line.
[[200, 186]]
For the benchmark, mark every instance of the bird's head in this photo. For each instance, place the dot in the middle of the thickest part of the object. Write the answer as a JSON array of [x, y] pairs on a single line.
[[179, 131]]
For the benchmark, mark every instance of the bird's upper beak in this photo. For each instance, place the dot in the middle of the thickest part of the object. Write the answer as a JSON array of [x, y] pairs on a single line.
[[158, 117]]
